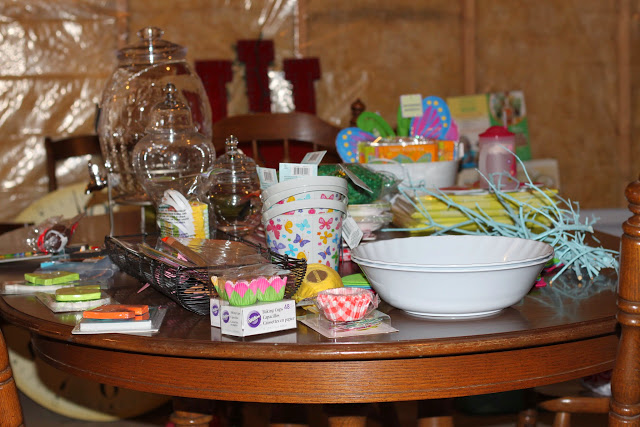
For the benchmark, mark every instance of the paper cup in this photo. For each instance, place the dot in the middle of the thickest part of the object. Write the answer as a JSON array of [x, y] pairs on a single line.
[[305, 233]]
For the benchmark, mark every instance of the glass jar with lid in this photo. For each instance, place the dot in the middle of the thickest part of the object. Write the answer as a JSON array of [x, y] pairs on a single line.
[[174, 164], [235, 194], [144, 69]]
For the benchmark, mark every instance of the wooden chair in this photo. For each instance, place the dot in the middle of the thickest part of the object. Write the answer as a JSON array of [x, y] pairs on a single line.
[[624, 405], [270, 138], [65, 148], [10, 409]]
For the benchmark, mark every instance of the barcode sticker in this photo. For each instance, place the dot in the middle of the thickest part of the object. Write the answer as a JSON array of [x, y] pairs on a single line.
[[296, 170], [314, 158], [267, 176], [351, 233]]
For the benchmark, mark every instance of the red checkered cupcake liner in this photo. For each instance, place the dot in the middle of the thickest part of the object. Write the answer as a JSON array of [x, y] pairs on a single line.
[[346, 304]]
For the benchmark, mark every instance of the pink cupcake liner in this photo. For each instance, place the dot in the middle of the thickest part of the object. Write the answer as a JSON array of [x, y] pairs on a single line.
[[345, 304]]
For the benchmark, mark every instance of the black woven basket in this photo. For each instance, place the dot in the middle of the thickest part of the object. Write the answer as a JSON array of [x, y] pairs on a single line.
[[190, 287]]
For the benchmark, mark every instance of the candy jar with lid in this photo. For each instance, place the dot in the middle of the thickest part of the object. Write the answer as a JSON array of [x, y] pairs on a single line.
[[144, 69], [173, 163], [235, 194]]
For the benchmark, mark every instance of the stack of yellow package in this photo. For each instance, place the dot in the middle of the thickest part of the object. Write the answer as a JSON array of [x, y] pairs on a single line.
[[430, 213]]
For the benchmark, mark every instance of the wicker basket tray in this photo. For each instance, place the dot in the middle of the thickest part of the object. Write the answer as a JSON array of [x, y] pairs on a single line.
[[190, 287]]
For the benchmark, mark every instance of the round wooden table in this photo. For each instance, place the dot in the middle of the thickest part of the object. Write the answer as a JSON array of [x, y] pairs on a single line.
[[544, 339]]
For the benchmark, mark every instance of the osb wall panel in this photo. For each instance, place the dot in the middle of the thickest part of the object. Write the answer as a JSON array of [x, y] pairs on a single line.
[[563, 56]]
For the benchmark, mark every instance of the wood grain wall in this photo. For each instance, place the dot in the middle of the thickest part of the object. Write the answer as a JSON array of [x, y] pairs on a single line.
[[574, 59]]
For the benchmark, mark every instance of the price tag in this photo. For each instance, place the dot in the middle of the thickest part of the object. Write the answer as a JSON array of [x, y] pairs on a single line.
[[351, 233], [290, 171], [267, 177], [411, 105], [354, 178], [314, 158]]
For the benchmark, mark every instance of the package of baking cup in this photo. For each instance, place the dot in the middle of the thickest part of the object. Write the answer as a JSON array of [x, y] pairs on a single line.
[[346, 304], [178, 217], [248, 284]]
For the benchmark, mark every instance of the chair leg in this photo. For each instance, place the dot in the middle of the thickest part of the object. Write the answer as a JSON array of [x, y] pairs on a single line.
[[348, 421], [527, 418], [446, 421], [435, 413], [562, 419]]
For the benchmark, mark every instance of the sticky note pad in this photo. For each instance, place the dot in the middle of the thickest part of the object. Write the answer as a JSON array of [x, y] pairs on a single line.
[[51, 278], [78, 293], [116, 311], [357, 280]]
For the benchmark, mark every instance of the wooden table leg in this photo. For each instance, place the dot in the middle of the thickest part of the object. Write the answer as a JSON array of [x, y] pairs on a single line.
[[435, 413], [348, 421], [347, 415], [193, 419], [191, 412]]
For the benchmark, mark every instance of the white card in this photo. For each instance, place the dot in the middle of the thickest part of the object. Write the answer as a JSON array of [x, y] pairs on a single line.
[[351, 233], [314, 158], [411, 105], [267, 177]]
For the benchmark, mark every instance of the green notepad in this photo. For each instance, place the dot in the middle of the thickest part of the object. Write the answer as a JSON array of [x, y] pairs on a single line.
[[357, 280], [79, 293], [52, 278]]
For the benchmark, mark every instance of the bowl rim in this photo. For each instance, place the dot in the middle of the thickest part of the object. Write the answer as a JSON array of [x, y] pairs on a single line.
[[468, 268], [548, 253]]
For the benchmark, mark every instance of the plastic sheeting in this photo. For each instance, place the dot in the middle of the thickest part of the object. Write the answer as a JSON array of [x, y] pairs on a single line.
[[57, 56]]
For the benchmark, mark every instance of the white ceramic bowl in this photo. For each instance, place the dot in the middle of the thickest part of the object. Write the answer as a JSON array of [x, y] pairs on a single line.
[[453, 252], [466, 283]]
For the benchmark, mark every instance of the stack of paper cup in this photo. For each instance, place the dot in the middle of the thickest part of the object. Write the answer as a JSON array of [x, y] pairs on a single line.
[[303, 218]]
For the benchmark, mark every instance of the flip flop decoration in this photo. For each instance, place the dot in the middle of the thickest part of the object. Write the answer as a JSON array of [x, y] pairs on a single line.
[[403, 123], [435, 121], [347, 143], [374, 124]]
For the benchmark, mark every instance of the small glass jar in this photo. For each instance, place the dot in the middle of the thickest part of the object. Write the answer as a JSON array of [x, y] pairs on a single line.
[[173, 163], [235, 194]]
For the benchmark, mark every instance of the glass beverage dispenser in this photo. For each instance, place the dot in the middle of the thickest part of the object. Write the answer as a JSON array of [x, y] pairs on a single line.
[[144, 69]]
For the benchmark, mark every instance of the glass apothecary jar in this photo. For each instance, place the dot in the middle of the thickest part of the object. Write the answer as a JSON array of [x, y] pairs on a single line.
[[144, 69], [235, 194], [173, 163]]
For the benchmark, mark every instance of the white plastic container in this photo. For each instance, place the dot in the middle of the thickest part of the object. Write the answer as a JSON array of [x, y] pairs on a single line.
[[496, 156]]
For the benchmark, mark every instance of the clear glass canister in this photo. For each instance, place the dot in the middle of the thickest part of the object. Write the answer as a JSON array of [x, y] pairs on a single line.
[[235, 194], [174, 164], [144, 69]]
